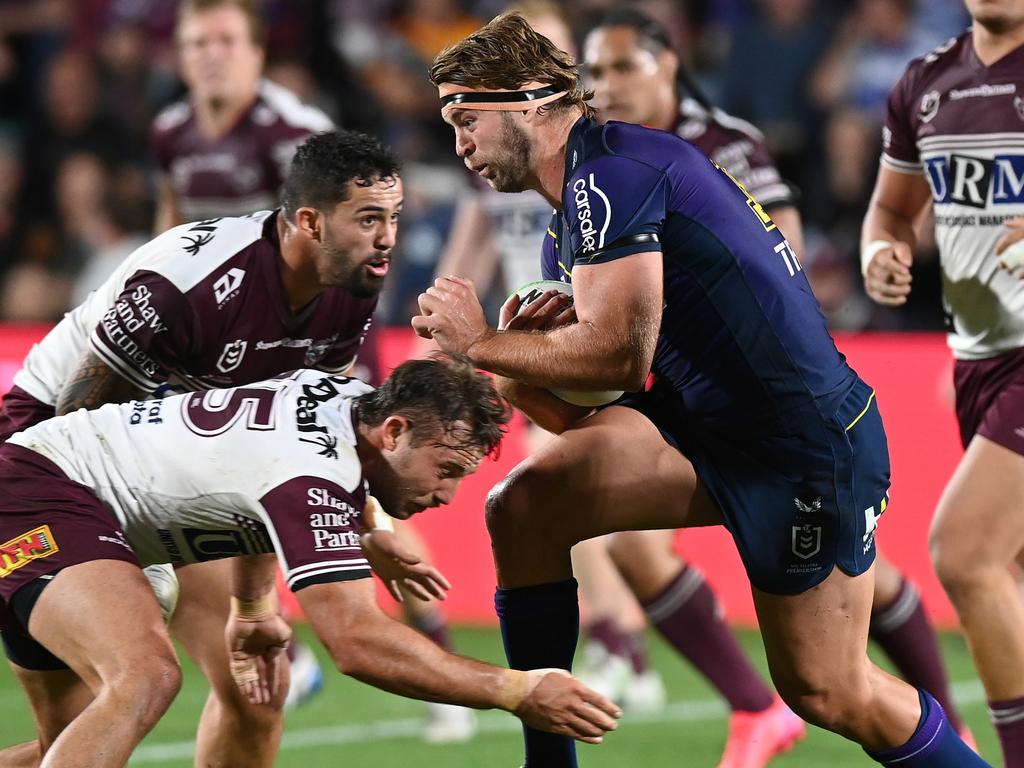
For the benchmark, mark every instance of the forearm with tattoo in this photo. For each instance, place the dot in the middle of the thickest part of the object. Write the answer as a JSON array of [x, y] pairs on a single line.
[[92, 384]]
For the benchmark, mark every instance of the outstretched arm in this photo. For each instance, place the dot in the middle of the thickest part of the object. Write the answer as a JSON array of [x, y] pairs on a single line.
[[368, 645]]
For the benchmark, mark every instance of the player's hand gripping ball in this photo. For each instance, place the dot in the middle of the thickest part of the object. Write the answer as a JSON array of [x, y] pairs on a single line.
[[528, 294]]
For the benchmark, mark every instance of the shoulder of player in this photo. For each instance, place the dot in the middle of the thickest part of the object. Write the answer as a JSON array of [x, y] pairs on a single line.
[[172, 117], [286, 107], [924, 69], [190, 253]]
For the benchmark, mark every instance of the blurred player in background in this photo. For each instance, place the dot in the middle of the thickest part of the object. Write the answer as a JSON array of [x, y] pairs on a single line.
[[284, 465], [954, 140], [754, 421], [209, 304], [634, 74]]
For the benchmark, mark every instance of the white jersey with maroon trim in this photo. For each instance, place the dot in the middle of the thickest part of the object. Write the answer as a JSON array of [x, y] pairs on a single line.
[[198, 307], [268, 467], [961, 125]]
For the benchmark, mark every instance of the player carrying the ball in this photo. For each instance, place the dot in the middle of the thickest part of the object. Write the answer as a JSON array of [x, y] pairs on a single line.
[[754, 420]]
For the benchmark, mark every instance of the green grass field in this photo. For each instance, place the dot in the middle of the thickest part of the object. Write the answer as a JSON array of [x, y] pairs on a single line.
[[351, 724]]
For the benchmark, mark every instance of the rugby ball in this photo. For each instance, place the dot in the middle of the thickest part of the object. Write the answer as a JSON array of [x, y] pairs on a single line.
[[528, 294]]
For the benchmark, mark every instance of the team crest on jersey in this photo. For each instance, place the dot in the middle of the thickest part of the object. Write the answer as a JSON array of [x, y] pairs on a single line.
[[232, 355], [317, 350], [226, 286], [23, 549], [1018, 104], [929, 106]]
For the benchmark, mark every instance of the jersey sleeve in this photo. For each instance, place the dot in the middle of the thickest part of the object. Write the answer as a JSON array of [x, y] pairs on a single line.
[[148, 330], [899, 147], [314, 524], [550, 266], [614, 207]]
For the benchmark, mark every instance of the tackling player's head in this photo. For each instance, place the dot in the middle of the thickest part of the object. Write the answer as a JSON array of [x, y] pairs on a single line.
[[497, 86], [629, 62], [432, 422], [220, 46], [344, 192]]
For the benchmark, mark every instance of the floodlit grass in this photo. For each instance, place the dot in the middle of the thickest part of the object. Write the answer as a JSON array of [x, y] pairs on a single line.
[[352, 724]]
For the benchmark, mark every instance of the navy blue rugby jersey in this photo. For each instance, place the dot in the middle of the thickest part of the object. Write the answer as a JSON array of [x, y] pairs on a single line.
[[743, 341]]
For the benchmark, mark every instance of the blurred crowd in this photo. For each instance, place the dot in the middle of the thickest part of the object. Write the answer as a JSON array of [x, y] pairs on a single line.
[[81, 81]]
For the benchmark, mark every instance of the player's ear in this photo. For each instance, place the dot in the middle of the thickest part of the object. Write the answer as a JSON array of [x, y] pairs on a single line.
[[310, 221], [668, 63], [392, 429]]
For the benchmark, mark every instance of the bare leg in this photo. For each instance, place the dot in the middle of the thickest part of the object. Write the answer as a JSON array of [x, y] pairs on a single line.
[[232, 732], [119, 647], [976, 534], [57, 697], [817, 652]]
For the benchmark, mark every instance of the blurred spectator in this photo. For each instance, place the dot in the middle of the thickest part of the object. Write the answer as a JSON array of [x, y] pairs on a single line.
[[224, 150]]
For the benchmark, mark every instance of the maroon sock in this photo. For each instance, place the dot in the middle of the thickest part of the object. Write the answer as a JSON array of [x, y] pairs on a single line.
[[686, 613], [1008, 718], [903, 631], [435, 626], [636, 647], [608, 634]]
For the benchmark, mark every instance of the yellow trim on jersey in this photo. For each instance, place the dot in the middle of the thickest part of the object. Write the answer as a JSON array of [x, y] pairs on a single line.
[[861, 414], [567, 271], [552, 233]]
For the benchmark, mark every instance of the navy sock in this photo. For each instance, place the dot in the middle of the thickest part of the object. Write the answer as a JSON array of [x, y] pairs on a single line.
[[540, 626], [934, 744]]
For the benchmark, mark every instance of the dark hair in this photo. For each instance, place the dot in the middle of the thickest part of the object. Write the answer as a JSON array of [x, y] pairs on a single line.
[[505, 54], [435, 394], [324, 165], [257, 29], [654, 34]]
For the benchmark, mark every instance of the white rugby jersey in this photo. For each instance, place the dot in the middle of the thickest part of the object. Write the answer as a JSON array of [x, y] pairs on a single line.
[[268, 467], [198, 307], [961, 124]]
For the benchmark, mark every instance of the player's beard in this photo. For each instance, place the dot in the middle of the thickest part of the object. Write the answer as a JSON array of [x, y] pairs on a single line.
[[509, 169], [343, 271]]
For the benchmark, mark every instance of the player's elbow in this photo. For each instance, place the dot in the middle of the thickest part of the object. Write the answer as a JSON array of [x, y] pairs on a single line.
[[628, 370]]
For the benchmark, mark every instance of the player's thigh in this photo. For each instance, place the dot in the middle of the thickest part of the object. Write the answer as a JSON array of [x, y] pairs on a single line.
[[816, 641], [612, 472], [980, 517], [102, 618]]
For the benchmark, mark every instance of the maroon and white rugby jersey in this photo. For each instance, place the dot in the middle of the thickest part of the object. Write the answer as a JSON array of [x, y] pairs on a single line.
[[200, 306], [737, 146], [268, 467], [243, 170], [961, 125]]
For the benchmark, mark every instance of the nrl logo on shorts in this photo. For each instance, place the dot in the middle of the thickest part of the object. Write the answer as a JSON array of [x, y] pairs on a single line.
[[232, 355], [929, 106], [806, 540], [22, 550]]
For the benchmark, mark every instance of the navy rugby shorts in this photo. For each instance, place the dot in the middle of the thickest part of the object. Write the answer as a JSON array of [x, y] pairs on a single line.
[[799, 502]]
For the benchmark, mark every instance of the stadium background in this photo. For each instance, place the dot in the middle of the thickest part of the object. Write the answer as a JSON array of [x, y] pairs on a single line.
[[80, 81]]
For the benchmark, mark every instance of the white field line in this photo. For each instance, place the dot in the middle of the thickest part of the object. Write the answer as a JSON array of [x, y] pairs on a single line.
[[967, 692]]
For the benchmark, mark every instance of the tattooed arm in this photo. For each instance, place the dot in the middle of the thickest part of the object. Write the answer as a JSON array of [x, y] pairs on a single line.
[[92, 384]]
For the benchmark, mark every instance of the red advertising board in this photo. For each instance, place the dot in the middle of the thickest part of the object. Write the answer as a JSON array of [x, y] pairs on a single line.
[[911, 374]]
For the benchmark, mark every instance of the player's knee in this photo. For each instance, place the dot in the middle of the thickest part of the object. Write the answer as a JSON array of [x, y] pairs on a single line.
[[509, 511], [828, 698], [957, 567], [147, 687]]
